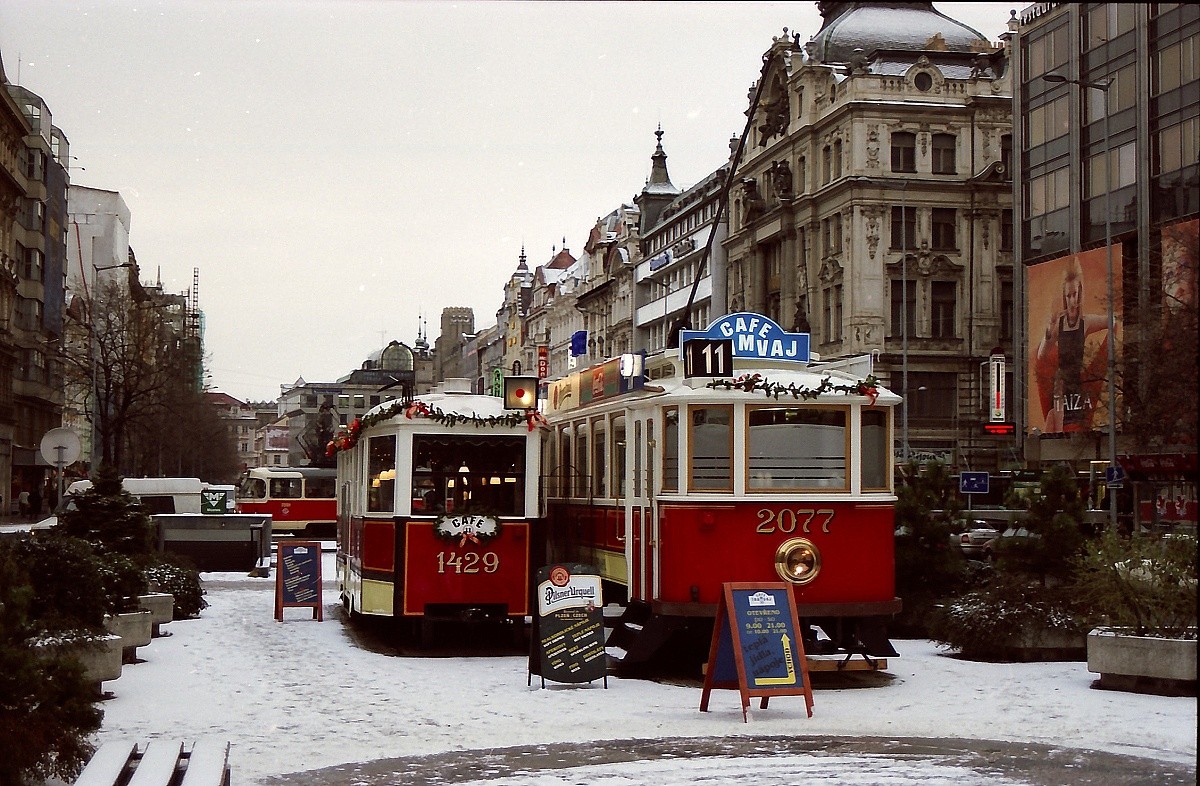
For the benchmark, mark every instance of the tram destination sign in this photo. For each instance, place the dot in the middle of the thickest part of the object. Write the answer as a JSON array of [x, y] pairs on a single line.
[[567, 640], [754, 337]]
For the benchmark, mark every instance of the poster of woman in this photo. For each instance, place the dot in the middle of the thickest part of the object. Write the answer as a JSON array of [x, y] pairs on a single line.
[[1068, 336]]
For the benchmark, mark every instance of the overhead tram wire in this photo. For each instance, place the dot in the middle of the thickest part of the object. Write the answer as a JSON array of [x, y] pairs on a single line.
[[684, 320]]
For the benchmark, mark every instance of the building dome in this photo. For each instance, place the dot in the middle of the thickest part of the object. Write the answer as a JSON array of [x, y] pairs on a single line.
[[896, 26]]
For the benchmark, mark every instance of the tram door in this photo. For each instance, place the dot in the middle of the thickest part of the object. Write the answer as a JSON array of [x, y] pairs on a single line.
[[642, 512]]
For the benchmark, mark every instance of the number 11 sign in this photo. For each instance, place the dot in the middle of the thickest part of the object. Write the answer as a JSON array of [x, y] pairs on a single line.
[[706, 357]]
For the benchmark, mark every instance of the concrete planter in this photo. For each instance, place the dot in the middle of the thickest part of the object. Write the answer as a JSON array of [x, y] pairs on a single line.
[[1142, 664], [100, 657], [135, 628], [1042, 646], [161, 606]]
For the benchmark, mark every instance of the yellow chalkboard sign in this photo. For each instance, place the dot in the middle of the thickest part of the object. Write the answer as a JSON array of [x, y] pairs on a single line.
[[756, 646]]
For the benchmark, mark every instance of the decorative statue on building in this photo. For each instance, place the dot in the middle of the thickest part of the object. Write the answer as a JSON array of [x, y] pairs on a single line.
[[781, 179], [752, 201], [775, 113]]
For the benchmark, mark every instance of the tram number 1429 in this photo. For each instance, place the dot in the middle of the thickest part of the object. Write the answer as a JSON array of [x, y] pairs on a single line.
[[470, 562], [787, 520]]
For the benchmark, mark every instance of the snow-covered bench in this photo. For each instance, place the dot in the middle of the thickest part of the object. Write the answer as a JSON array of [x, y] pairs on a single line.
[[158, 763]]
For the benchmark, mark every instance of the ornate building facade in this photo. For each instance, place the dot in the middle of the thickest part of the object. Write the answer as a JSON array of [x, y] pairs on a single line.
[[872, 208]]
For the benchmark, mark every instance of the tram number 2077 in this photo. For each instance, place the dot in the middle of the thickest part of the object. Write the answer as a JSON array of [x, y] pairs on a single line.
[[788, 520], [469, 562]]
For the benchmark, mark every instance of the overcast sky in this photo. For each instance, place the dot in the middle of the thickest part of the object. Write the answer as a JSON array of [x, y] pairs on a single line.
[[337, 170]]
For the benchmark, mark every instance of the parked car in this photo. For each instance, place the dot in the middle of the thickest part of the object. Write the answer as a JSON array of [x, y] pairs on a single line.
[[973, 539], [989, 548]]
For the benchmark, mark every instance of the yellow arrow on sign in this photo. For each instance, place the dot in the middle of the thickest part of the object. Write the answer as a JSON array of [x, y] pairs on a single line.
[[790, 679]]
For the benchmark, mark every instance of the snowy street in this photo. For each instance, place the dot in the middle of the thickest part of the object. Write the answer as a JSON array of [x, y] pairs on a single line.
[[300, 695]]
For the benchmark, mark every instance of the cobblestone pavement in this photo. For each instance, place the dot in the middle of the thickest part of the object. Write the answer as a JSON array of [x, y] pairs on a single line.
[[769, 761]]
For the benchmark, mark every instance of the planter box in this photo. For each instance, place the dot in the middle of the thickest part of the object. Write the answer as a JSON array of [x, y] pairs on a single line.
[[161, 606], [1043, 646], [101, 659], [1142, 664], [135, 628]]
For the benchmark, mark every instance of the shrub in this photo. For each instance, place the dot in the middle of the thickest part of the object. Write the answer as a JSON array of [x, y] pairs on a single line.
[[991, 623], [65, 579], [173, 575], [110, 518], [47, 714], [1141, 582], [123, 582]]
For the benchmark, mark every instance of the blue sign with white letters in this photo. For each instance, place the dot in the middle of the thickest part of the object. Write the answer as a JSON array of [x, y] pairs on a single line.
[[754, 337], [973, 483]]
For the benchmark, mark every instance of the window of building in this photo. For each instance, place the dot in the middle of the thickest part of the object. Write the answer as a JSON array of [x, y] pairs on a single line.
[[1007, 310], [837, 159], [1047, 193], [904, 308], [833, 312], [1120, 95], [802, 175], [904, 151], [1006, 229], [796, 448], [710, 439], [1106, 21], [1177, 146], [1006, 153], [944, 152], [1047, 52], [1046, 122], [33, 264], [945, 228], [1123, 161], [904, 227], [931, 395], [1176, 65], [826, 164], [942, 298]]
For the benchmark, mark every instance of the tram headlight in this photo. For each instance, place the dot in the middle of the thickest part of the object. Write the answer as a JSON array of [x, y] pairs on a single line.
[[797, 561]]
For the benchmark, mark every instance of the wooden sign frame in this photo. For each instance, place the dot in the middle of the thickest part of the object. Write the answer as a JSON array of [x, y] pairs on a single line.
[[749, 615], [297, 583]]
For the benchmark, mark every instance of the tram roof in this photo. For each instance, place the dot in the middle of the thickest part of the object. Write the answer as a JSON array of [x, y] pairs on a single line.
[[453, 397]]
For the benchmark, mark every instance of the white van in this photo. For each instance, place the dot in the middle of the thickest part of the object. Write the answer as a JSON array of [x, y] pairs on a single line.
[[162, 495]]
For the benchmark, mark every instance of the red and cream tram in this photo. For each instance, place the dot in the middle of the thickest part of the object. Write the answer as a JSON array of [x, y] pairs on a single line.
[[768, 468], [437, 508]]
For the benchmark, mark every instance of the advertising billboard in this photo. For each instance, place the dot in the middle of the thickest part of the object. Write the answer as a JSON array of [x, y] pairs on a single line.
[[1068, 337]]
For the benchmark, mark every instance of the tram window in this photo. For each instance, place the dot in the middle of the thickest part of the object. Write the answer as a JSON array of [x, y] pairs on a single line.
[[381, 472], [253, 488], [286, 488], [320, 488], [468, 474], [875, 454], [637, 459], [599, 459], [564, 462], [710, 440], [618, 475], [581, 462], [670, 456], [796, 448]]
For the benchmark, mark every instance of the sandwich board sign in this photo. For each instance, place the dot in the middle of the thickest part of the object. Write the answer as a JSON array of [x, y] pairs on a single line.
[[756, 646], [567, 640], [298, 577]]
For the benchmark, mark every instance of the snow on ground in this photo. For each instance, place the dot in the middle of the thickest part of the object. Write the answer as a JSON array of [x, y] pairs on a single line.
[[299, 695]]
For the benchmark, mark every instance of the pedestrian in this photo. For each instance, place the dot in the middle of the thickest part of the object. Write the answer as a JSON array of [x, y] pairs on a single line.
[[35, 502], [23, 503]]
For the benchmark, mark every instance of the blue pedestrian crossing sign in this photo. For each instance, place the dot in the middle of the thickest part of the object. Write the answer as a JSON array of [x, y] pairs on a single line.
[[973, 483], [1114, 477]]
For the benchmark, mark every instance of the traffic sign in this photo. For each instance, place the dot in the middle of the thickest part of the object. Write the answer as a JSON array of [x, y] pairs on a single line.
[[1114, 477], [973, 482]]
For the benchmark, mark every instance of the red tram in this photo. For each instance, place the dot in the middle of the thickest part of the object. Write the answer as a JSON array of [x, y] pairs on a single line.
[[300, 500], [437, 509], [775, 469]]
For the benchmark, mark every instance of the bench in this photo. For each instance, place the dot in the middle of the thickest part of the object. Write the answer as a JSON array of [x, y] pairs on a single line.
[[158, 763]]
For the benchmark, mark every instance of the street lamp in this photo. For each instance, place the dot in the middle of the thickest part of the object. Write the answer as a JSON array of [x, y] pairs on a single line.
[[1103, 87]]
